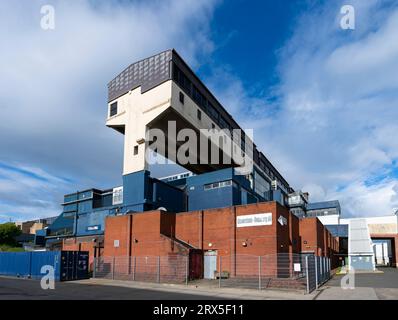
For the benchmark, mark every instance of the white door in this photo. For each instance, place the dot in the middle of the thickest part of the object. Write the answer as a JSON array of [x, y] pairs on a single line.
[[210, 264]]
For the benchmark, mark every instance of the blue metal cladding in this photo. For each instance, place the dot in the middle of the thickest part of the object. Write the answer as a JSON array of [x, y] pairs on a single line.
[[85, 206], [165, 195], [141, 193], [240, 192], [92, 222], [64, 224], [324, 205], [277, 196], [338, 230], [136, 189], [200, 199]]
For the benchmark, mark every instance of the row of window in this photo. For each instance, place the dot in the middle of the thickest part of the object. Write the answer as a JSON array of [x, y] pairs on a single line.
[[261, 185], [178, 176], [217, 185], [193, 92], [322, 212], [182, 80]]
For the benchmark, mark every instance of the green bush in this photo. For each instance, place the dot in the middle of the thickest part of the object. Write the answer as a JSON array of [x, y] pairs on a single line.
[[8, 232], [7, 248]]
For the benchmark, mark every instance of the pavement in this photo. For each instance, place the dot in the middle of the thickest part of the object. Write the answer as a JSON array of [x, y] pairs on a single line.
[[367, 286], [100, 289], [206, 289]]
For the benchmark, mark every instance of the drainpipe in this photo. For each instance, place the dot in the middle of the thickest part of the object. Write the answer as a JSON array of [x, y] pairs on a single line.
[[233, 249], [201, 229], [129, 219]]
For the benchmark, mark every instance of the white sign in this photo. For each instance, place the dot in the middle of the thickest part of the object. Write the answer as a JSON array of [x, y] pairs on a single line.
[[116, 243], [297, 267], [282, 221], [117, 196], [251, 220]]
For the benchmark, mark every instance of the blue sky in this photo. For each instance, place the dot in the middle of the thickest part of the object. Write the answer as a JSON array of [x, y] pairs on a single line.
[[321, 100]]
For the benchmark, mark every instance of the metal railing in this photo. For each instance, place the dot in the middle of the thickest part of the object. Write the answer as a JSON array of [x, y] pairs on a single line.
[[304, 272]]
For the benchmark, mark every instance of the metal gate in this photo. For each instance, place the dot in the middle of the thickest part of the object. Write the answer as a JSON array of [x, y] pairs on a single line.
[[317, 271], [311, 272], [210, 264]]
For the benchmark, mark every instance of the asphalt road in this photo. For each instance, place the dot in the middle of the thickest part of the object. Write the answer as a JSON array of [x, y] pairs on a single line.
[[368, 286], [25, 289], [387, 279], [377, 286]]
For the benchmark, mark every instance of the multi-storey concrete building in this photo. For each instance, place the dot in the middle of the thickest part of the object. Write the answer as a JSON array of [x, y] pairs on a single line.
[[158, 93], [232, 200]]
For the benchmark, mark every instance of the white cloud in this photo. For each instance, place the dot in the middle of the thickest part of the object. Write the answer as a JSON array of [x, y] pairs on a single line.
[[376, 200], [53, 84], [29, 193], [330, 128], [333, 125]]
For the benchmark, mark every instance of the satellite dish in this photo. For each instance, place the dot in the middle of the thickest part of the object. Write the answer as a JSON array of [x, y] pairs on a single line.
[[161, 209]]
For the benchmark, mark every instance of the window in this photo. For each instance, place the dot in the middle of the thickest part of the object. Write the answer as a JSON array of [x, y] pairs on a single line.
[[198, 97], [113, 110], [261, 186], [224, 124], [217, 185], [212, 111], [182, 80], [135, 150], [181, 97], [213, 126], [117, 196], [199, 114], [242, 144]]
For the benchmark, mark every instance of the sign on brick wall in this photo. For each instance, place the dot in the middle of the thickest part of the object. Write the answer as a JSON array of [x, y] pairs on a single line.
[[252, 220]]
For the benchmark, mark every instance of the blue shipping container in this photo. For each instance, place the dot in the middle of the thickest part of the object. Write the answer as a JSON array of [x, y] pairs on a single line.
[[68, 265]]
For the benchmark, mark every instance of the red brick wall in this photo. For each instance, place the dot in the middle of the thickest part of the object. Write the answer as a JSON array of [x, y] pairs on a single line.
[[313, 236], [188, 227], [147, 234], [216, 230], [140, 235], [81, 244], [319, 239], [209, 229], [151, 233]]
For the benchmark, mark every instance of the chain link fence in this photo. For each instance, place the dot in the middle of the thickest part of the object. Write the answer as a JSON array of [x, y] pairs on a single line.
[[279, 271], [305, 272], [162, 269]]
